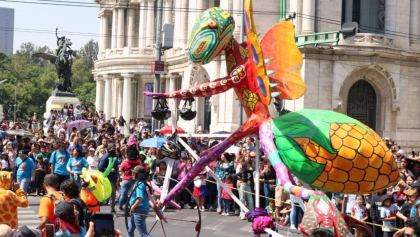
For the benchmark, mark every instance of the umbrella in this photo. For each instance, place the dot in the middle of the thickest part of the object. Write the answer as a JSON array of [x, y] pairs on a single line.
[[168, 130], [233, 149], [153, 142], [79, 124], [19, 132]]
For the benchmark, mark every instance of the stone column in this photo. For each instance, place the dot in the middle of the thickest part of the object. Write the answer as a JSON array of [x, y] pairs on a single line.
[[106, 35], [183, 23], [100, 89], [127, 103], [131, 38], [120, 28], [177, 23], [120, 96], [108, 97], [142, 24], [192, 14], [237, 16], [227, 4], [150, 27], [103, 30], [308, 17], [167, 11], [114, 28], [390, 15]]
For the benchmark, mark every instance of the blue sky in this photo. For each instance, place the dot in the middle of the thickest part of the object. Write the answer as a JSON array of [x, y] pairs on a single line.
[[83, 21]]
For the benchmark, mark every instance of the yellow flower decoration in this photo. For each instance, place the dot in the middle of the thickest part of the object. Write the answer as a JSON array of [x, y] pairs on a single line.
[[250, 99]]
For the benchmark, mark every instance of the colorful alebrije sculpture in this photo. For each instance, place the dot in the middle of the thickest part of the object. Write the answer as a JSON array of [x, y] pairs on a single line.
[[327, 150]]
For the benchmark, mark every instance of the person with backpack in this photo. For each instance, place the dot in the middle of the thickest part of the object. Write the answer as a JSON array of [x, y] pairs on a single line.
[[47, 202], [108, 164], [71, 193], [139, 202], [76, 163], [126, 168], [66, 224], [24, 170], [58, 160]]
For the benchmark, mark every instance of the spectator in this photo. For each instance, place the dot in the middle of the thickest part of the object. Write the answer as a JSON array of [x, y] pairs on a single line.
[[40, 172], [224, 168], [72, 195], [110, 161], [58, 160], [139, 202], [24, 170], [388, 215], [359, 212], [76, 163], [47, 203], [227, 199], [127, 180]]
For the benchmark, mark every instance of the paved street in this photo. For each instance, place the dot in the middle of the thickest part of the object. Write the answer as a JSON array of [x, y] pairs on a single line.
[[177, 226]]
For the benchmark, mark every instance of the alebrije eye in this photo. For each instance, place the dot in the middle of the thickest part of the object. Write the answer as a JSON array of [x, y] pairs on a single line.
[[212, 24]]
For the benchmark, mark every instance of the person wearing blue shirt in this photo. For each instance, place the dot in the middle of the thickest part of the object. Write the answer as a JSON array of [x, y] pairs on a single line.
[[139, 203], [76, 163], [58, 160], [24, 170]]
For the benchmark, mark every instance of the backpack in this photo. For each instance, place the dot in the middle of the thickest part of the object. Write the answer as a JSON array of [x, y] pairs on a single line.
[[81, 212], [80, 209]]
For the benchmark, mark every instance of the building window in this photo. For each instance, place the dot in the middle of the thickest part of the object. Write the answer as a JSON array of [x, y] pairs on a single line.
[[214, 3], [369, 14]]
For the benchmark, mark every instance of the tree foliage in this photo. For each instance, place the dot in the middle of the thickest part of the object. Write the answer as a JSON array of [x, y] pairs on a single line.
[[30, 80]]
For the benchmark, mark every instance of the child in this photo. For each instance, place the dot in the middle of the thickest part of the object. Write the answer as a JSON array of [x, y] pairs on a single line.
[[271, 209], [226, 198], [389, 216], [40, 172], [359, 211], [200, 190], [284, 215]]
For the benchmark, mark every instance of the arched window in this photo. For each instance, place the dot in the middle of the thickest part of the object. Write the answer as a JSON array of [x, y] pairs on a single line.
[[361, 103]]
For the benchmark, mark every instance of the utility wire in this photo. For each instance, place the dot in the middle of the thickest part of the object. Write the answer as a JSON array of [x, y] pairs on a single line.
[[198, 10]]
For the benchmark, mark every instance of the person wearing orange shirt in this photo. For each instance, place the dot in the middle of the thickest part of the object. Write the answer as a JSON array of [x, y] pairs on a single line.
[[9, 200], [47, 203]]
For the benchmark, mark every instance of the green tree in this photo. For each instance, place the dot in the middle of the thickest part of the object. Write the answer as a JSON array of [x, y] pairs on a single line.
[[90, 52]]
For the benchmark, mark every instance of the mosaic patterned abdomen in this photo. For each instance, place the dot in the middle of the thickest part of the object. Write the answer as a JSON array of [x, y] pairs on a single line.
[[343, 154]]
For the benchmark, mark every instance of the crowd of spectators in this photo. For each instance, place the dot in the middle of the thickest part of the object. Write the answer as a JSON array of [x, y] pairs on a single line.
[[53, 149]]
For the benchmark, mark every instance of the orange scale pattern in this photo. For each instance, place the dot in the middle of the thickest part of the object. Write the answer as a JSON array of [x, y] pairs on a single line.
[[362, 163]]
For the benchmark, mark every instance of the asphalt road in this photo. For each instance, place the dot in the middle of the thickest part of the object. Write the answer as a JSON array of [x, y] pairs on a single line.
[[180, 223]]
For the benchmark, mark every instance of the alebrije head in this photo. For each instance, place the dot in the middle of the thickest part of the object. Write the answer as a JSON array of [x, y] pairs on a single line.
[[5, 179], [211, 33]]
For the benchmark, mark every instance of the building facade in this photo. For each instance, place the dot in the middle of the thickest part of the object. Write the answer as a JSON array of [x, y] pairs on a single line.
[[7, 17], [372, 75]]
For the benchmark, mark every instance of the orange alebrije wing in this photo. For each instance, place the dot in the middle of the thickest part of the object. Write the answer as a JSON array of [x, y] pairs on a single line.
[[278, 45]]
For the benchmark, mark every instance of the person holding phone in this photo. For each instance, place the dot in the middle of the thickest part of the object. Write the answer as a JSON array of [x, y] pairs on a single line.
[[139, 203]]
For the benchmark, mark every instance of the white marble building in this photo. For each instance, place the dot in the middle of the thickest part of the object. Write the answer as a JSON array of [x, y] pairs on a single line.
[[372, 76]]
